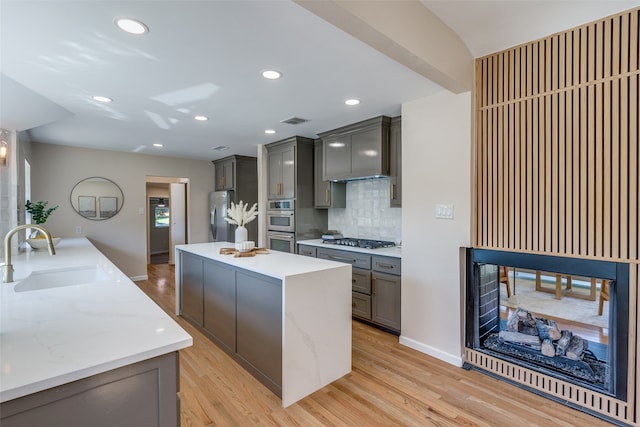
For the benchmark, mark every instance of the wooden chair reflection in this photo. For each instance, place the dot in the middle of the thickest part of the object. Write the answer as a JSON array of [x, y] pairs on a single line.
[[504, 278], [604, 296]]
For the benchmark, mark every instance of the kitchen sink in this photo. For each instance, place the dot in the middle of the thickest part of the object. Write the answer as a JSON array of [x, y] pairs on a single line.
[[57, 278]]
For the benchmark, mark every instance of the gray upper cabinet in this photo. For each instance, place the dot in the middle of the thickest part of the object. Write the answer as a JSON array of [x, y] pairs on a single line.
[[240, 175], [282, 176], [328, 194], [224, 173], [356, 151], [395, 163]]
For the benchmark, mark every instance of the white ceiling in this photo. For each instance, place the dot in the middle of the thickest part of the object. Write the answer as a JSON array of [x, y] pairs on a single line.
[[205, 57]]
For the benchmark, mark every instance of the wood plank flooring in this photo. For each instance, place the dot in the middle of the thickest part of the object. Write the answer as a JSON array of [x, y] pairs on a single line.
[[390, 385]]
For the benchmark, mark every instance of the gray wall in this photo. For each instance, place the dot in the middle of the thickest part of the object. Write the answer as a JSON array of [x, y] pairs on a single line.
[[123, 239]]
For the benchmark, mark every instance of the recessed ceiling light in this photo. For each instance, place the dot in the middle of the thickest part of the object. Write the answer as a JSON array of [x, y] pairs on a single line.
[[201, 118], [101, 98], [158, 145], [352, 101], [131, 26], [271, 74], [269, 131]]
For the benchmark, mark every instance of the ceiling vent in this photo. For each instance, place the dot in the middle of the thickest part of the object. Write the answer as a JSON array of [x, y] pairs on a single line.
[[220, 148], [295, 120]]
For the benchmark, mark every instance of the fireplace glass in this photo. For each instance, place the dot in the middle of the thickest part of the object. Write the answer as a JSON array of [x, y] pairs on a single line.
[[563, 317]]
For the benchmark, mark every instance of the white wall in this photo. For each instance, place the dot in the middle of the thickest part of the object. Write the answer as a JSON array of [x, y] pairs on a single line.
[[436, 169], [57, 169]]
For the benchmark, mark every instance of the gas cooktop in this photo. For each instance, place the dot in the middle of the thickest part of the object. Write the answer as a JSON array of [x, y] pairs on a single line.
[[360, 243]]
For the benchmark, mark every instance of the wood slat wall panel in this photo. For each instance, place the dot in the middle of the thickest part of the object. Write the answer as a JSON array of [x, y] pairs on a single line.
[[558, 154], [558, 142]]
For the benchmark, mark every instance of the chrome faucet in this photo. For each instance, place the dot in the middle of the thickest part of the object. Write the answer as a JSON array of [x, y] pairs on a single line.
[[8, 268]]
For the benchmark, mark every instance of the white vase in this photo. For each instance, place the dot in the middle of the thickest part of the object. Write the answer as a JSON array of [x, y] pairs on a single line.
[[242, 235]]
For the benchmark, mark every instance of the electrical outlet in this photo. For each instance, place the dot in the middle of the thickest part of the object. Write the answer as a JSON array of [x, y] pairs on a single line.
[[78, 230], [444, 211]]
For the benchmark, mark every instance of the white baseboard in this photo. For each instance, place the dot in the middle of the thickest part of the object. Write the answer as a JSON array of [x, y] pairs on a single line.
[[138, 278], [431, 351]]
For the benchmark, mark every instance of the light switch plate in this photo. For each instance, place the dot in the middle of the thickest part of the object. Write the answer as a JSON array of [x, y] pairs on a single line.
[[444, 211]]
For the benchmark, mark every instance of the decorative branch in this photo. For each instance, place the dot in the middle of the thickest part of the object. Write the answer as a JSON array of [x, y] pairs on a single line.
[[239, 215]]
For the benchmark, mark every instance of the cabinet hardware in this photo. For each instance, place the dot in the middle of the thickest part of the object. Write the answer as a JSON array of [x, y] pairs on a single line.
[[382, 265], [326, 195], [339, 258], [393, 192], [222, 181]]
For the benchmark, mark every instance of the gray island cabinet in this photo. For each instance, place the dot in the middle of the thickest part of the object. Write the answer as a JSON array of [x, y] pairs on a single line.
[[283, 317]]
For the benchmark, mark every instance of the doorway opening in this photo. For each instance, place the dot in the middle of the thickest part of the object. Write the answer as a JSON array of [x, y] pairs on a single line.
[[167, 225]]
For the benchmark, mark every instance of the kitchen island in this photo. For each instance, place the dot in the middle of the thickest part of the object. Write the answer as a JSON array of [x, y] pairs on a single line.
[[81, 344], [285, 318]]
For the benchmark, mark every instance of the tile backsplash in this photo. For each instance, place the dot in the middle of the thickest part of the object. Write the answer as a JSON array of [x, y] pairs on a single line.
[[368, 215]]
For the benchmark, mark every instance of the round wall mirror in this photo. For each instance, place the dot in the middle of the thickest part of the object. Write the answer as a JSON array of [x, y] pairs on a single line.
[[97, 198]]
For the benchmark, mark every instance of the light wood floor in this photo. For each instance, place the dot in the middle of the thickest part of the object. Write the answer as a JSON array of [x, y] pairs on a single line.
[[390, 385]]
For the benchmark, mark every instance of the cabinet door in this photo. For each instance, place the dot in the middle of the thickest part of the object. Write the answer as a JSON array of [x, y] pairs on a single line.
[[361, 305], [275, 174], [327, 194], [361, 280], [385, 300], [366, 153], [259, 323], [289, 173], [336, 157], [395, 163], [220, 302], [322, 189], [191, 287], [224, 175], [307, 251]]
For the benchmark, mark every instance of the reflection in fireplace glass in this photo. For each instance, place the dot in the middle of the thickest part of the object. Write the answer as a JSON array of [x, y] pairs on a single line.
[[554, 322]]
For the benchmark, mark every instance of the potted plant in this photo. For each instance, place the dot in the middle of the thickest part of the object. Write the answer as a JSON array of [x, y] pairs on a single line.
[[39, 215]]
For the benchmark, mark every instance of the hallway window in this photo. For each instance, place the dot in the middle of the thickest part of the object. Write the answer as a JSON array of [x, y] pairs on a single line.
[[162, 217]]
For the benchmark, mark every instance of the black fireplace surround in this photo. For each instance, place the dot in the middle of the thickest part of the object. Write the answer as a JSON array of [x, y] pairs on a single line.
[[480, 322]]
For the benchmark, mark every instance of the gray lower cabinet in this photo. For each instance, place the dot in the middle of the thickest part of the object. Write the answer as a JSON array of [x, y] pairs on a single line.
[[375, 284], [385, 300], [141, 394], [220, 303], [191, 280], [241, 313]]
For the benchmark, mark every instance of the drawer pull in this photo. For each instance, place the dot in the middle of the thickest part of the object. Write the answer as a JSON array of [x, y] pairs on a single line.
[[339, 258], [383, 265]]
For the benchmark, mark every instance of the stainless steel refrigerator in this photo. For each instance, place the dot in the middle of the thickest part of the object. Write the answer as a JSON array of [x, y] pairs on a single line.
[[221, 230]]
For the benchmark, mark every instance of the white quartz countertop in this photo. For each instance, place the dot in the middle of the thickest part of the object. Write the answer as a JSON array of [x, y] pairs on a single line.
[[50, 337], [274, 264], [395, 252]]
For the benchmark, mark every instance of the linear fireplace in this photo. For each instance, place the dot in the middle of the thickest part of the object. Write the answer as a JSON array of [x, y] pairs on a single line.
[[547, 353]]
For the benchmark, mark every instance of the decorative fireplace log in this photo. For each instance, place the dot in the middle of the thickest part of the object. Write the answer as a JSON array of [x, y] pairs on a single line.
[[563, 342], [522, 321], [576, 347], [550, 327], [532, 341]]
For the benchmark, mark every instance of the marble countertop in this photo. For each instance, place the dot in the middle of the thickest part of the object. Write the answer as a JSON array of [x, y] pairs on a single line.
[[395, 252], [274, 264], [50, 337]]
